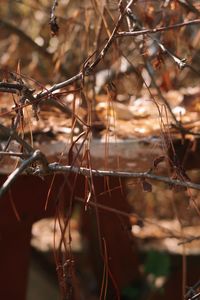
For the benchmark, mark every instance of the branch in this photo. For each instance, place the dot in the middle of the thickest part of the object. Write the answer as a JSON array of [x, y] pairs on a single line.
[[9, 132], [111, 38], [8, 87], [192, 291], [36, 156], [60, 85], [88, 68], [189, 6], [101, 55], [27, 39], [189, 240], [11, 28], [57, 168], [53, 19], [159, 29], [171, 233], [181, 63], [15, 154]]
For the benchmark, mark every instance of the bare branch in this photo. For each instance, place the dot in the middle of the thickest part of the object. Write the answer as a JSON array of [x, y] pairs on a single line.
[[9, 132], [16, 154], [11, 28], [8, 87], [89, 68], [53, 19], [170, 232], [189, 240], [58, 86], [36, 156], [159, 29], [111, 38], [115, 34], [57, 168]]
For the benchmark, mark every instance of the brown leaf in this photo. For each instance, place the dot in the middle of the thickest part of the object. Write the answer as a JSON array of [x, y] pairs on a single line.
[[147, 187]]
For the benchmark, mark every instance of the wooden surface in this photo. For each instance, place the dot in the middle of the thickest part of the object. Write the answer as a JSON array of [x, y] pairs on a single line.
[[125, 155]]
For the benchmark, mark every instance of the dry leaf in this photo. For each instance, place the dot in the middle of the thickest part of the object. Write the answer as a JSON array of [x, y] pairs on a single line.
[[147, 187]]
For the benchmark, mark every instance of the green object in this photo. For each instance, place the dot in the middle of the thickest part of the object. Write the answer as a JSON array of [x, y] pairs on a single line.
[[133, 291], [157, 263]]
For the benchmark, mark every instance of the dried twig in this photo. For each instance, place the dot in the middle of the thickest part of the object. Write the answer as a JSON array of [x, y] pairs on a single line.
[[13, 29], [115, 34], [13, 134], [191, 292], [189, 240], [57, 168], [8, 87], [53, 19], [172, 233], [16, 154], [189, 6], [36, 156], [111, 38], [159, 29]]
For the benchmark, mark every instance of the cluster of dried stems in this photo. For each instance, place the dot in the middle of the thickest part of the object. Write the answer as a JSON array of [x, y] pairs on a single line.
[[126, 26]]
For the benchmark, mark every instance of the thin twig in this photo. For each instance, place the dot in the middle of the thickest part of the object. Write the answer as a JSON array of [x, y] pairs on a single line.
[[192, 290], [11, 153], [189, 240], [159, 29], [172, 233], [115, 34], [111, 38], [53, 19], [8, 87], [9, 132], [189, 6], [57, 168], [36, 156], [58, 86], [88, 68], [12, 28]]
